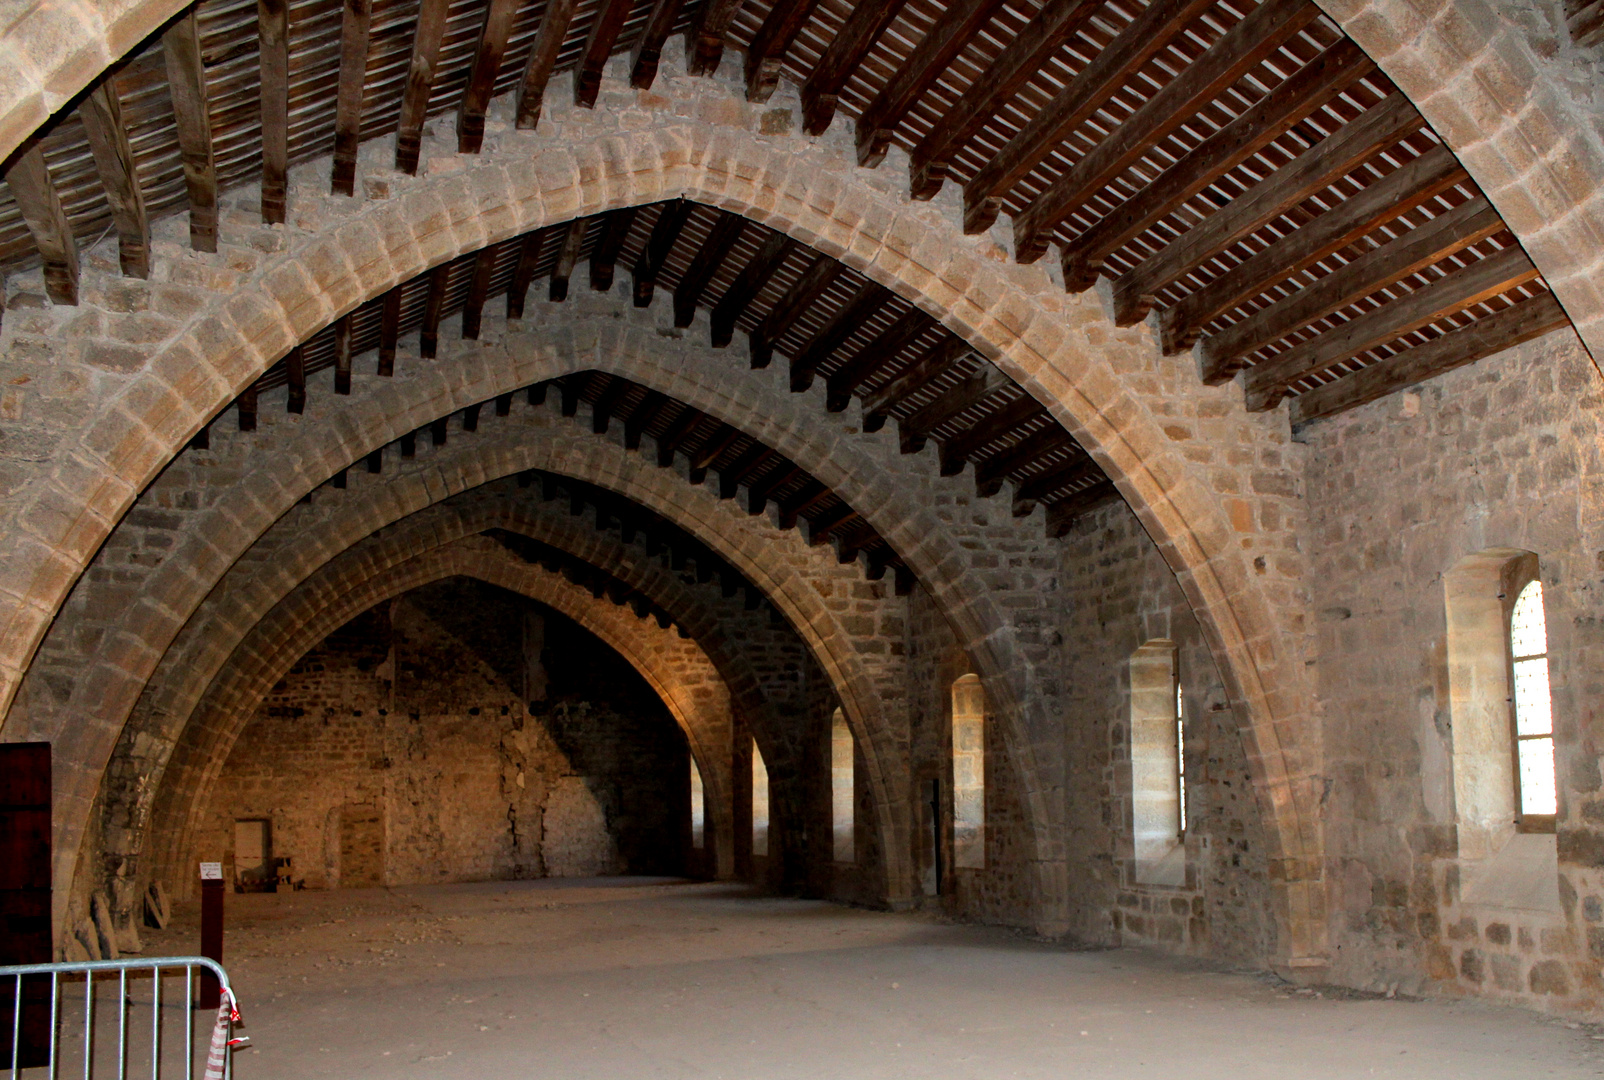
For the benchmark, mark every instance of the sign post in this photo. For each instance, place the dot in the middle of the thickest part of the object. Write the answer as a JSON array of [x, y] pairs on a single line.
[[211, 946]]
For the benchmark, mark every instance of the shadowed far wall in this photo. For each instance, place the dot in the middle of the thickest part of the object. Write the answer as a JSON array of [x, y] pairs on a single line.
[[459, 733]]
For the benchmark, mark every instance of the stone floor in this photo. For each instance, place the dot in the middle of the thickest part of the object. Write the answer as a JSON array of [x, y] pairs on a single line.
[[637, 978]]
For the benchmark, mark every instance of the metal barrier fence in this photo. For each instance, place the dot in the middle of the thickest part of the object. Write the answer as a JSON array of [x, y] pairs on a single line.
[[75, 1038]]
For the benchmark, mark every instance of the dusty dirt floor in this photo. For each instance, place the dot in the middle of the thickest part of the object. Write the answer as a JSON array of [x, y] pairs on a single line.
[[643, 978]]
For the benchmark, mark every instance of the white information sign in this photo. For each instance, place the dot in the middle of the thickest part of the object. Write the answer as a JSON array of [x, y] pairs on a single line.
[[211, 871]]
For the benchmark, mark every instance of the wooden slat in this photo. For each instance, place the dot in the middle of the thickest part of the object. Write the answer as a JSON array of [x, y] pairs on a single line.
[[1417, 249], [421, 71], [721, 440], [1398, 192], [342, 355], [543, 60], [295, 377], [473, 306], [707, 41], [186, 84], [1237, 52], [273, 44], [878, 405], [990, 474], [598, 47], [833, 334], [567, 258], [1054, 478], [1329, 74], [954, 29], [523, 272], [1062, 514], [1147, 34], [389, 331], [811, 494], [354, 26], [649, 46], [731, 477], [604, 255], [957, 450], [915, 429], [759, 492], [1317, 168], [809, 288], [872, 357], [679, 427], [433, 308], [1267, 382], [732, 305], [706, 263], [1499, 331], [665, 233], [765, 55], [107, 135], [1055, 24], [482, 74], [40, 206], [821, 94]]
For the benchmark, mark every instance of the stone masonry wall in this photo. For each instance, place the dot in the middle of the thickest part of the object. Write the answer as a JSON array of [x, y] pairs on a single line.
[[415, 714]]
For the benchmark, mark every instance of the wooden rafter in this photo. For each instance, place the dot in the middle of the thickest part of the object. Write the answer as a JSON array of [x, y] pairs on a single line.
[[273, 45], [107, 134], [1052, 479], [484, 265], [482, 74], [833, 334], [821, 94], [707, 41], [1240, 49], [567, 259], [709, 257], [649, 46], [31, 187], [915, 429], [958, 449], [609, 20], [186, 84], [813, 284], [433, 308], [665, 233], [389, 331], [295, 374], [604, 255], [765, 56], [990, 474], [844, 382], [733, 304], [1062, 514], [342, 355], [523, 272], [878, 405], [678, 428], [354, 27], [430, 30]]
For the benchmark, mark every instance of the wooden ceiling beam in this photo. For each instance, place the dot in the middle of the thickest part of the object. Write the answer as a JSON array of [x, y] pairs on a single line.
[[295, 380], [1400, 191], [822, 524], [872, 357], [568, 388], [1138, 43], [543, 55], [958, 449], [777, 247], [107, 134], [1317, 168], [1272, 116], [878, 405], [649, 46], [354, 27], [990, 474], [642, 417], [812, 286], [954, 28], [723, 437], [604, 255], [1239, 50], [503, 404], [726, 230], [821, 94], [707, 40], [914, 431], [1056, 23], [759, 492], [484, 266], [433, 307], [523, 273], [601, 412], [1061, 515], [567, 259], [389, 331], [1499, 331], [342, 355], [245, 406], [273, 64], [1223, 353], [765, 56], [1266, 383], [730, 479], [811, 494], [186, 84], [426, 38], [833, 334], [482, 73], [40, 207], [682, 425], [1052, 479], [609, 20], [665, 233]]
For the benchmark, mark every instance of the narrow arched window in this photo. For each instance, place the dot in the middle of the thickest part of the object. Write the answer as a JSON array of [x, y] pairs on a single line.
[[760, 802], [969, 773], [841, 789], [698, 808], [1180, 751], [1535, 796], [1158, 764]]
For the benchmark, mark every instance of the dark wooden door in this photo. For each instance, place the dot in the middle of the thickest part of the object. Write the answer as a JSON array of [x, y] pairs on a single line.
[[25, 894]]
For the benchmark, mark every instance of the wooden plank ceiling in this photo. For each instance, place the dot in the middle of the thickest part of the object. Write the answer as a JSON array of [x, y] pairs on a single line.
[[1241, 169]]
